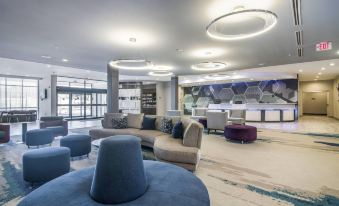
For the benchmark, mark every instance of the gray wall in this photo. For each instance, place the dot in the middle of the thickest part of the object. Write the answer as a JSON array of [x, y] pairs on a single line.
[[163, 90]]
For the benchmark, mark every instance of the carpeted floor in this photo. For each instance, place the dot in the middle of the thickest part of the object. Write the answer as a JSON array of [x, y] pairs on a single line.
[[280, 168], [12, 185]]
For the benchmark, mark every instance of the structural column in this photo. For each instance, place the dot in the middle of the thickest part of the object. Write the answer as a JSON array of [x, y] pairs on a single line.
[[174, 93], [112, 89], [54, 94]]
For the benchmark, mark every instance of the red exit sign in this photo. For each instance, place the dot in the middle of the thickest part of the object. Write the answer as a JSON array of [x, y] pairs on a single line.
[[323, 46]]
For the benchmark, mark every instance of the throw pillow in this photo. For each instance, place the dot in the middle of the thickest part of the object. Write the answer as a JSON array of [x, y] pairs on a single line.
[[148, 123], [166, 125], [134, 120], [119, 122], [177, 131]]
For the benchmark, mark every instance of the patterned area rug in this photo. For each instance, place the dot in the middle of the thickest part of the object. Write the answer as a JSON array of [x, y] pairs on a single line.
[[280, 168], [12, 185]]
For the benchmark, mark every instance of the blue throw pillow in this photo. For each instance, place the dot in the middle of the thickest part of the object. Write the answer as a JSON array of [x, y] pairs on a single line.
[[148, 123], [177, 131]]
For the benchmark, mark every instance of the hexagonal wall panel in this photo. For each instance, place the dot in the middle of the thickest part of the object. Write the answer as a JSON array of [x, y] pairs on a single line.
[[239, 98], [203, 101], [239, 88], [253, 94], [188, 102], [226, 94]]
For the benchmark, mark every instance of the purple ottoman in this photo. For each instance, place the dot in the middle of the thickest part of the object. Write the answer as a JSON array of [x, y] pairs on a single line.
[[203, 121], [243, 133]]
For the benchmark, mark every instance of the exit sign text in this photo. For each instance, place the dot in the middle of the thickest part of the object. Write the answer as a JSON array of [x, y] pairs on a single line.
[[324, 46]]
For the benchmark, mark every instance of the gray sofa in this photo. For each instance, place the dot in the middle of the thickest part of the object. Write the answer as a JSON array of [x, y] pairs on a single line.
[[182, 152]]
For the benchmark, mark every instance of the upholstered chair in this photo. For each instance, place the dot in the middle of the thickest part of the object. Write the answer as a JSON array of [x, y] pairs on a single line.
[[4, 133], [57, 124], [216, 120], [237, 116], [198, 113]]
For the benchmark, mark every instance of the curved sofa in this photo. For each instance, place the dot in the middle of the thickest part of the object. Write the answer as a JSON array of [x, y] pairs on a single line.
[[181, 152]]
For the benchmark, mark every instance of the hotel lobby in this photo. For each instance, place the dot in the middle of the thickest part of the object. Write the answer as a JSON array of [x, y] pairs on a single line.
[[154, 102]]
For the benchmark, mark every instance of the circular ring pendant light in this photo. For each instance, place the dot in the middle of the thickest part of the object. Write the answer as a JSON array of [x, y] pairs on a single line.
[[209, 66], [160, 73], [241, 24], [132, 64]]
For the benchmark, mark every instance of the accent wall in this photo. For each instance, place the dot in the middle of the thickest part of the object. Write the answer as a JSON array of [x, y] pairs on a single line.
[[257, 92]]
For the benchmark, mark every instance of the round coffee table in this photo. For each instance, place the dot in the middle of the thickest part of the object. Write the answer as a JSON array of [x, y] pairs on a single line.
[[97, 142], [243, 133]]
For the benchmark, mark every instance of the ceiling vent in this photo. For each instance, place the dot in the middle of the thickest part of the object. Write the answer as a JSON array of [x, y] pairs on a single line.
[[300, 52], [299, 36], [296, 12]]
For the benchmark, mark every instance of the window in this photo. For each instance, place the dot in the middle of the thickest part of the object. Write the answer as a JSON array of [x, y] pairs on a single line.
[[18, 94]]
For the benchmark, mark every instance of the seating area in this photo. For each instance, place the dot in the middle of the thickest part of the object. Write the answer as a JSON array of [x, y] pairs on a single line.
[[18, 116], [169, 103], [183, 151]]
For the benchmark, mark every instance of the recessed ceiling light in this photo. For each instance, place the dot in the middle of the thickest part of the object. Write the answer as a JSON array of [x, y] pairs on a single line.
[[317, 77], [64, 60], [320, 73], [48, 65], [217, 76], [323, 68], [261, 64], [209, 66], [300, 70], [218, 27], [132, 39], [160, 73], [179, 50], [208, 52], [46, 56], [132, 64], [332, 64], [252, 79]]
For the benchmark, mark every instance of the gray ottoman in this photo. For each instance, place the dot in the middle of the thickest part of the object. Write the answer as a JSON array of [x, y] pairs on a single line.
[[45, 164], [37, 137], [78, 144]]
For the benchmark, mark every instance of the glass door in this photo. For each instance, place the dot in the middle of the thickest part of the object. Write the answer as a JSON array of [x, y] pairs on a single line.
[[78, 105]]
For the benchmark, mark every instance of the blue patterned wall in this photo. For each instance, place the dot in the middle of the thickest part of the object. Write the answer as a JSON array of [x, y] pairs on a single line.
[[269, 91]]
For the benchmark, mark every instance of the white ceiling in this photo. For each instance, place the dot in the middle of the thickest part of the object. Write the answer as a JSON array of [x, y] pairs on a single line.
[[307, 71], [90, 33]]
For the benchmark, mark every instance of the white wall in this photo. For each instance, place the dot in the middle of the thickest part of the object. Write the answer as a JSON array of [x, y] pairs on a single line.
[[163, 90]]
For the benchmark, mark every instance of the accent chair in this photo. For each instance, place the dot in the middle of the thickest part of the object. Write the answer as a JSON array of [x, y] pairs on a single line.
[[216, 120], [57, 124]]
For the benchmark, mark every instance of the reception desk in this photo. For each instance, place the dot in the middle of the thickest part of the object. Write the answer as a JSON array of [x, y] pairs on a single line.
[[262, 112]]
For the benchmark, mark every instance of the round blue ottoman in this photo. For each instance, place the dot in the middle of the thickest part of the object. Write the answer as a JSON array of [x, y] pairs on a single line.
[[78, 144], [37, 137], [45, 164], [127, 180]]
